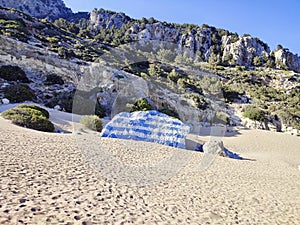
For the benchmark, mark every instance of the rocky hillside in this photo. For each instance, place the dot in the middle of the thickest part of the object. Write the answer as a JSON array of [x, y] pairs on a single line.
[[202, 43], [51, 9], [202, 73]]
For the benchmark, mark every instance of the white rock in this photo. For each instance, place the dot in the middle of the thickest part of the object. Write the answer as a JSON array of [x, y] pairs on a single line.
[[213, 147], [5, 101], [5, 85], [57, 107], [245, 49], [288, 59]]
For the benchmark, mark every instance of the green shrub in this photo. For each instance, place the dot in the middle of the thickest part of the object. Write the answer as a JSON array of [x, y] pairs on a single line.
[[256, 61], [174, 76], [44, 112], [288, 119], [231, 93], [19, 93], [29, 118], [199, 101], [92, 122], [53, 40], [141, 105], [254, 113], [169, 112], [270, 64], [13, 73], [54, 79], [221, 117]]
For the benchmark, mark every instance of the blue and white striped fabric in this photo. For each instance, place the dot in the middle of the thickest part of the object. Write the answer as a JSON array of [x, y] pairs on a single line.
[[149, 126]]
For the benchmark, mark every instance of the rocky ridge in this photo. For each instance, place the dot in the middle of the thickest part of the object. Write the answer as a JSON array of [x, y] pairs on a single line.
[[202, 43], [51, 9]]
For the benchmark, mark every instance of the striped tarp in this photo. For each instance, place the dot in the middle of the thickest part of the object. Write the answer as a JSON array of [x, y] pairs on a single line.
[[149, 126]]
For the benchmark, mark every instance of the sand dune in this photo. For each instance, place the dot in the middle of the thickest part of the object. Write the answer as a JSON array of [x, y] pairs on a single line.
[[49, 178]]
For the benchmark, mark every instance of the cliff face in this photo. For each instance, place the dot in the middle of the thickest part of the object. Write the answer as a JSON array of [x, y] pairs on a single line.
[[106, 19], [287, 60], [32, 58], [202, 43], [51, 9], [245, 49]]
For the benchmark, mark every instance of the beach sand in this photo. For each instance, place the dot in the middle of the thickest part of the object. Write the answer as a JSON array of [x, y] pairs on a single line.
[[49, 178]]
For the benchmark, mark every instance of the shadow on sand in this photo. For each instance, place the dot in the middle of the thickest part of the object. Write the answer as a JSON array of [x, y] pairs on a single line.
[[197, 146]]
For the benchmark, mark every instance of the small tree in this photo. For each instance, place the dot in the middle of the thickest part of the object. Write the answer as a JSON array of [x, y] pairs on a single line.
[[141, 105], [173, 76], [257, 61], [254, 113], [214, 59], [227, 59], [155, 70], [92, 122], [166, 55], [270, 63], [279, 47]]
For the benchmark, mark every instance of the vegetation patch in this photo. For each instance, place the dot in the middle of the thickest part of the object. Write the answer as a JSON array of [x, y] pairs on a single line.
[[92, 122], [13, 73], [221, 118], [29, 118], [254, 113], [44, 112], [54, 79], [19, 93], [170, 112], [141, 104]]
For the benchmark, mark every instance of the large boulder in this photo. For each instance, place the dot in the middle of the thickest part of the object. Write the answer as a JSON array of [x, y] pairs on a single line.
[[149, 126], [215, 147]]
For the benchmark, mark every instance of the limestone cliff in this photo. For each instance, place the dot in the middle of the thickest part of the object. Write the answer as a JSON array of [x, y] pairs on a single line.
[[245, 49], [287, 60], [106, 19], [51, 9], [203, 43]]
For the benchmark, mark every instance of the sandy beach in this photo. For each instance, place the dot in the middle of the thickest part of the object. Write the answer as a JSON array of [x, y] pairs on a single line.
[[47, 178]]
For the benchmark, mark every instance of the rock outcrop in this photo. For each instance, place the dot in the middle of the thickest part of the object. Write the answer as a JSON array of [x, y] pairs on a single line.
[[106, 19], [51, 9], [245, 49], [286, 60], [201, 43]]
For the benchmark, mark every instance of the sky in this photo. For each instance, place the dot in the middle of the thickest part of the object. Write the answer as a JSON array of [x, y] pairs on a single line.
[[273, 21]]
